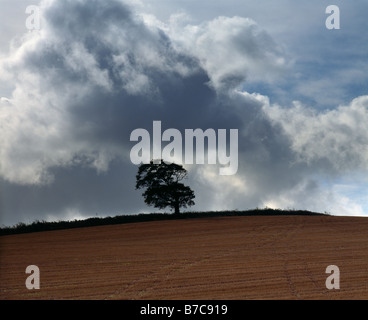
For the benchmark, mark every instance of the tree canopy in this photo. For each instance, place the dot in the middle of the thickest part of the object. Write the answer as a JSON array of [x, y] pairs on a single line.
[[163, 186]]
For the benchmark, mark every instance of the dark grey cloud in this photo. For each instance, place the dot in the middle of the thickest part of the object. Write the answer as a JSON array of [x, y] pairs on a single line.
[[77, 192]]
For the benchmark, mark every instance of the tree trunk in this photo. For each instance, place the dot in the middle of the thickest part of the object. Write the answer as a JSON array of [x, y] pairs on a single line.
[[177, 209]]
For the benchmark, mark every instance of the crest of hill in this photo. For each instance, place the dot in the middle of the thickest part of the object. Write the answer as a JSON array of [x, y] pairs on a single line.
[[38, 226]]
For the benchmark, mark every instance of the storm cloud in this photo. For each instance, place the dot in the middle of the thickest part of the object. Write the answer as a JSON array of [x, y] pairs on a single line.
[[97, 70]]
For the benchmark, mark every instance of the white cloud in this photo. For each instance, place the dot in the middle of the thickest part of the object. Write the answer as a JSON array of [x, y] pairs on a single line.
[[231, 50], [339, 136], [227, 191], [310, 195], [57, 68]]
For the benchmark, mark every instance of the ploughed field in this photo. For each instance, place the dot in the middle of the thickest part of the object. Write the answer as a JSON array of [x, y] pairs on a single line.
[[251, 257]]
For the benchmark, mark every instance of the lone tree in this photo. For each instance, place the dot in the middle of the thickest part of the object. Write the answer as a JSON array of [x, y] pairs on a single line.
[[163, 186]]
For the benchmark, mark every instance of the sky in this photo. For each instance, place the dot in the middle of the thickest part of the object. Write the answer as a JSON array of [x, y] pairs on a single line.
[[78, 78]]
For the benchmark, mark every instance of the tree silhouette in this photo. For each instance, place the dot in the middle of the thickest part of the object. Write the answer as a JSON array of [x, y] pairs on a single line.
[[163, 186]]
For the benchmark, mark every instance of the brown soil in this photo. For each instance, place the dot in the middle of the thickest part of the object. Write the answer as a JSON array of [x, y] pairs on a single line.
[[280, 257]]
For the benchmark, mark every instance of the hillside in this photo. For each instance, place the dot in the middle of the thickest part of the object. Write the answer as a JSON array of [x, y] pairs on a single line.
[[234, 257], [37, 226]]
